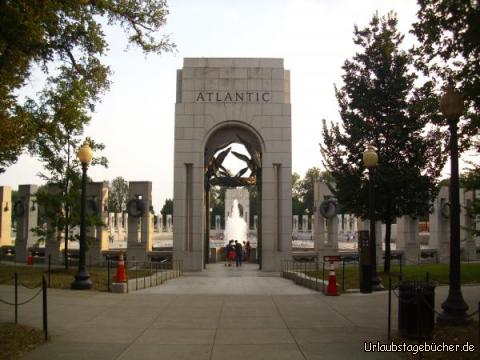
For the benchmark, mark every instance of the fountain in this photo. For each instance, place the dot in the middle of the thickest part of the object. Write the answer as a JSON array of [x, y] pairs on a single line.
[[235, 226]]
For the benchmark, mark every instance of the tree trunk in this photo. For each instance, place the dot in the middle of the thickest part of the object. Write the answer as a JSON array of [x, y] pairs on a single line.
[[388, 236], [67, 210], [66, 207]]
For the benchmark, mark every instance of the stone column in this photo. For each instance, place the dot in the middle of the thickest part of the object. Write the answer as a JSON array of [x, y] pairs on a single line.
[[140, 229], [440, 226], [125, 227], [111, 222], [218, 222], [295, 223], [169, 223], [53, 239], [160, 223], [304, 223], [325, 232], [118, 221], [26, 213], [466, 225], [5, 216], [97, 197], [408, 240]]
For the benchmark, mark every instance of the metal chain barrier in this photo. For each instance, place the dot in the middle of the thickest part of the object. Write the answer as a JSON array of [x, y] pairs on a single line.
[[436, 312], [30, 287], [33, 297], [42, 290]]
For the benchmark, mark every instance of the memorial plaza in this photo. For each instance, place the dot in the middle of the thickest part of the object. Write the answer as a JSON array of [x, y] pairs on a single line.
[[220, 313]]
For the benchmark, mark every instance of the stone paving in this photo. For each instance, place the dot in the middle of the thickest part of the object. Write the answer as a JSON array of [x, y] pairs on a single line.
[[222, 313]]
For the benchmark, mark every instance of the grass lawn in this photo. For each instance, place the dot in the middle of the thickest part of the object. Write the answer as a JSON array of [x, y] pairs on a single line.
[[60, 278], [438, 273], [16, 340]]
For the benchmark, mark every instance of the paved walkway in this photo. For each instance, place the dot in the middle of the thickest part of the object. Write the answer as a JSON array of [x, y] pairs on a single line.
[[222, 313]]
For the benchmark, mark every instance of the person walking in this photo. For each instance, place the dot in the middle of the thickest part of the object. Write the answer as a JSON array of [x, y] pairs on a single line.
[[248, 250], [238, 253], [229, 253]]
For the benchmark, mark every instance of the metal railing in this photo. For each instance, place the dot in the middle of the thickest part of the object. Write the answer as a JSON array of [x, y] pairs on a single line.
[[160, 270]]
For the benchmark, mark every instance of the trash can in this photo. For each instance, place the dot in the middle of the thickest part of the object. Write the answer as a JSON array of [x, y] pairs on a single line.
[[416, 304]]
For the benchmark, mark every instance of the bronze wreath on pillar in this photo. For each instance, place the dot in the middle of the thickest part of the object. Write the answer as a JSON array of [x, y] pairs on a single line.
[[329, 208], [19, 208], [136, 207]]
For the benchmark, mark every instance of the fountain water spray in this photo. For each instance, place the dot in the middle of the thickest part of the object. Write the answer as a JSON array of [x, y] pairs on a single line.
[[235, 226]]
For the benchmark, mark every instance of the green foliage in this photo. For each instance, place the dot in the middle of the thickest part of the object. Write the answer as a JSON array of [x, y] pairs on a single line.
[[298, 207], [380, 105], [217, 204], [167, 208], [471, 181], [449, 36], [65, 39], [302, 189], [118, 195]]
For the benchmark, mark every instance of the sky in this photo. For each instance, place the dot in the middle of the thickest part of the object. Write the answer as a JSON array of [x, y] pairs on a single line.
[[135, 119]]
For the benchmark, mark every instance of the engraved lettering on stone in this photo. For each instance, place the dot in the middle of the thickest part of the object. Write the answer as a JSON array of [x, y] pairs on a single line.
[[227, 96]]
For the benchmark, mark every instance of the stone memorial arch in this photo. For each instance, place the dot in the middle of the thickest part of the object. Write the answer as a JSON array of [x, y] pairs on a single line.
[[221, 101]]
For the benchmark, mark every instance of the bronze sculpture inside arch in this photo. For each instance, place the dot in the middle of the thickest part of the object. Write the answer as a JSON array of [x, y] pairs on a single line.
[[216, 150], [217, 175]]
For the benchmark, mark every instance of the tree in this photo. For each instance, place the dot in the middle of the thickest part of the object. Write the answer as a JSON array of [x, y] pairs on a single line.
[[306, 187], [379, 105], [471, 181], [298, 208], [118, 195], [62, 108], [449, 36], [167, 208], [66, 41]]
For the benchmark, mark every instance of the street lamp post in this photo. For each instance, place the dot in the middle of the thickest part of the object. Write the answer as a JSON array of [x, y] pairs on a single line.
[[82, 278], [454, 307], [370, 160]]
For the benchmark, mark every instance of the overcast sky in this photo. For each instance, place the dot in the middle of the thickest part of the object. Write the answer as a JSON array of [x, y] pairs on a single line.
[[136, 117]]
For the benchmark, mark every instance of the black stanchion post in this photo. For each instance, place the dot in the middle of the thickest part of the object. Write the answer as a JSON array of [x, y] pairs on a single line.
[[108, 273], [49, 268], [44, 307], [401, 261], [136, 275], [418, 292], [389, 326], [323, 275], [16, 298], [343, 275]]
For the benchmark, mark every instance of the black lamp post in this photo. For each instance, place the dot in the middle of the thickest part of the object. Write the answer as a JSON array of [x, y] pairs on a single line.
[[454, 307], [370, 160], [82, 278]]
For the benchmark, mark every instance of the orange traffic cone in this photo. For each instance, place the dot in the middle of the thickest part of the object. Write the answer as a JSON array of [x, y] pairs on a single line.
[[332, 281], [121, 274], [30, 258]]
